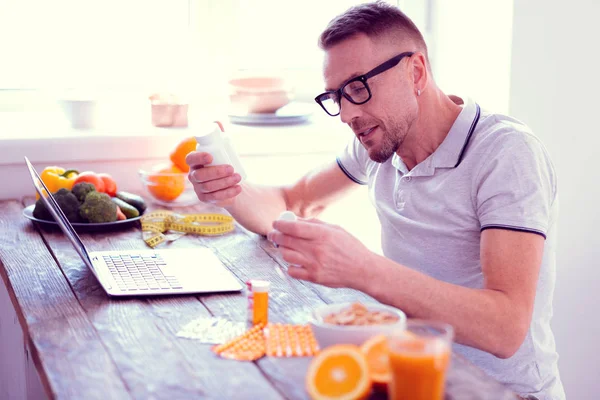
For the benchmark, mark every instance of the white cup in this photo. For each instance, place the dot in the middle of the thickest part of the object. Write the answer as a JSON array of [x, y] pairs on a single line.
[[81, 113]]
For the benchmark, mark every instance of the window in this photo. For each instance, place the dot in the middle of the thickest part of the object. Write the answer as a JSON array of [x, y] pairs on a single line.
[[148, 45], [280, 36], [83, 43]]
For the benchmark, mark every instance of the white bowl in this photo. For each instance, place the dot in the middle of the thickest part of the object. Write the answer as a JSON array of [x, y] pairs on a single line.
[[330, 334], [259, 95]]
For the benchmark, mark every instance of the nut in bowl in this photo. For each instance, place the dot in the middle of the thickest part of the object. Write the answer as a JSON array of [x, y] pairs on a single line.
[[354, 323], [167, 185]]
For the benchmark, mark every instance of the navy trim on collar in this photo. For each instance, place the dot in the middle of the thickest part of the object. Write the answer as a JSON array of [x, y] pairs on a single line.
[[471, 130]]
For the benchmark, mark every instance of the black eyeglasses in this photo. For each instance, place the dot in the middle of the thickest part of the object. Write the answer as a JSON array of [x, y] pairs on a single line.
[[355, 90]]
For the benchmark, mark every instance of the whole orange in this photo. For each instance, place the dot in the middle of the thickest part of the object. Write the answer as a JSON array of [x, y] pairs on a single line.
[[167, 184], [183, 148]]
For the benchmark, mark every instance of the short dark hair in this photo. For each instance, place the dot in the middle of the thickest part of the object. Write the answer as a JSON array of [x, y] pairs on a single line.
[[374, 20]]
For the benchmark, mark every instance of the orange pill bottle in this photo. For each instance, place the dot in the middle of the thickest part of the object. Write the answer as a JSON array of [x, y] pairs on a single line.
[[258, 301]]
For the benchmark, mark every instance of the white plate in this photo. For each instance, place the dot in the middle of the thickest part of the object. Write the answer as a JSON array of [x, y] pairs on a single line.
[[293, 113]]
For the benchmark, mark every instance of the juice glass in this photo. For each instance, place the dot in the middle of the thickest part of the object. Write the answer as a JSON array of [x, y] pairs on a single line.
[[419, 358]]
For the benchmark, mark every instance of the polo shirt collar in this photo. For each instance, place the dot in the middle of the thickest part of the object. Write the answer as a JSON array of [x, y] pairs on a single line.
[[450, 153]]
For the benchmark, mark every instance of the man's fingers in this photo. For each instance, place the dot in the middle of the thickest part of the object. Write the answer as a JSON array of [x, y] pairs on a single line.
[[302, 229], [313, 220], [198, 159], [225, 194], [291, 242], [219, 184], [218, 196], [292, 256], [299, 273], [205, 174]]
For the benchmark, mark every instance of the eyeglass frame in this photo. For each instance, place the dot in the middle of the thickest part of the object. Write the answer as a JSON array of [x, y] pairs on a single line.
[[389, 64]]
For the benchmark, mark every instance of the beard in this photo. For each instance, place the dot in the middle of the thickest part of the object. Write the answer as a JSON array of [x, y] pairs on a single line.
[[389, 144], [392, 137]]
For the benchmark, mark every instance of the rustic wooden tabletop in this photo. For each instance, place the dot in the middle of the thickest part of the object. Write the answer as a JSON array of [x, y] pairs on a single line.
[[87, 345]]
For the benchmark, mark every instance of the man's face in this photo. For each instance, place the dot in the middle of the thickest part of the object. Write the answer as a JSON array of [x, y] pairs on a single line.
[[383, 122]]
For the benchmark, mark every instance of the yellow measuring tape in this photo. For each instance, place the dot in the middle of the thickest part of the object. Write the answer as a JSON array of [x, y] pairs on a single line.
[[155, 224]]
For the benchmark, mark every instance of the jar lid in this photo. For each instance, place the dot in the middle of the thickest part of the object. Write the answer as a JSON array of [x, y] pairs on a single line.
[[260, 285]]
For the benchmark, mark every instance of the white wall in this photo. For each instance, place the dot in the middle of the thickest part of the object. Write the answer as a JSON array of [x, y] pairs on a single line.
[[470, 49], [554, 89]]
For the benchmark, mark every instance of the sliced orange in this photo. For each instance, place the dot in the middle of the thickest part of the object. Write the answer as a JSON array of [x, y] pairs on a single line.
[[376, 353], [339, 372]]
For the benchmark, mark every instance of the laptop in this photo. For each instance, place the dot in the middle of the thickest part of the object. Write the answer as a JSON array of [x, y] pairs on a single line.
[[145, 272]]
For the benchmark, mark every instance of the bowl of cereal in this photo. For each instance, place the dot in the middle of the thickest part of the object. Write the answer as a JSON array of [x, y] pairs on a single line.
[[354, 323]]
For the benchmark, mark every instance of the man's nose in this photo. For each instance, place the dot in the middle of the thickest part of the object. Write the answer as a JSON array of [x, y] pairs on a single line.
[[349, 110]]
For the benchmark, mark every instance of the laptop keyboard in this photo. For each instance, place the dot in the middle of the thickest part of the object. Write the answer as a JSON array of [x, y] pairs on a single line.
[[137, 273]]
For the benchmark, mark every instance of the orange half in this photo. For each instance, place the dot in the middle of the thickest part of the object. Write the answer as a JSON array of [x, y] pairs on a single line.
[[376, 353], [339, 372]]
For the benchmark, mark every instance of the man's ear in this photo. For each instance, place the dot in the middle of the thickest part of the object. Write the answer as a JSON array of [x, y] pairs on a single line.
[[420, 71]]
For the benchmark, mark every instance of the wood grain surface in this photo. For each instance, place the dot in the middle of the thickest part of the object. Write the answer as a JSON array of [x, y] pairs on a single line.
[[88, 345]]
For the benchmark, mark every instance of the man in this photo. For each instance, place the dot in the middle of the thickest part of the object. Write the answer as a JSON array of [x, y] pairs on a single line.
[[466, 199]]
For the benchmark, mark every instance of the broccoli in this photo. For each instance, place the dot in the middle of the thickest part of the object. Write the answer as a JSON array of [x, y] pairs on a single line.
[[81, 189], [98, 207], [67, 202], [41, 212]]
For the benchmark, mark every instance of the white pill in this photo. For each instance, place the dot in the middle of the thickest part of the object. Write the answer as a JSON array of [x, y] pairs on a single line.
[[287, 216]]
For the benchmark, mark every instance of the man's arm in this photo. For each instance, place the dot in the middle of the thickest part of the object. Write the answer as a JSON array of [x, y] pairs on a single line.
[[255, 206], [496, 318]]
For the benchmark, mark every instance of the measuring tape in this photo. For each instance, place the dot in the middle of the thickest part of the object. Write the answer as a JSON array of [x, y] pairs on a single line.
[[155, 224]]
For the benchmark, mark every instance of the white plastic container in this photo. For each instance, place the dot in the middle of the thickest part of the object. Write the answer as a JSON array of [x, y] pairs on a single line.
[[219, 146], [82, 114], [288, 216]]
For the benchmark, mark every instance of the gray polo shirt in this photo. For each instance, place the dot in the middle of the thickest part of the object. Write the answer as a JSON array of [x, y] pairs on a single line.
[[489, 172]]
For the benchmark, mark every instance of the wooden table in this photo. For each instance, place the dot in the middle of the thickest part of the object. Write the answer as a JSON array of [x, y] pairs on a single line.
[[86, 345]]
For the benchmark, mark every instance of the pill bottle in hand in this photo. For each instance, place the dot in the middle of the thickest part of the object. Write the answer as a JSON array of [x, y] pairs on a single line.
[[219, 146]]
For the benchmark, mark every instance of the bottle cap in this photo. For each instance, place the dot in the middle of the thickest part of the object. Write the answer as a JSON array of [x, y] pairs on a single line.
[[260, 285], [213, 135]]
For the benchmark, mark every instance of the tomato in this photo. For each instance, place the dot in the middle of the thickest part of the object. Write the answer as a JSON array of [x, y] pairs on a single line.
[[91, 177], [110, 186]]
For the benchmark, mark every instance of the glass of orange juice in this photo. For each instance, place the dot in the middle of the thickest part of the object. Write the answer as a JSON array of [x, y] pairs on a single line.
[[419, 357]]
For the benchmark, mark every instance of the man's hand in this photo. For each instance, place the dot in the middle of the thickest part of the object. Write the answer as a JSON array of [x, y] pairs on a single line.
[[326, 254], [217, 184]]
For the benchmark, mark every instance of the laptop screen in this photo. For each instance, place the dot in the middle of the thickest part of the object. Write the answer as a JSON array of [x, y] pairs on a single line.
[[58, 215]]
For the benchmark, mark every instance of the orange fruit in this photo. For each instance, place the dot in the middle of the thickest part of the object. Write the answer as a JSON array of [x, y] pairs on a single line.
[[339, 372], [166, 184], [183, 148], [376, 352]]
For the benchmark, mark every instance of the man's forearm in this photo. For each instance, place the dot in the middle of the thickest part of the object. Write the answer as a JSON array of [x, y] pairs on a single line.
[[256, 207], [482, 318]]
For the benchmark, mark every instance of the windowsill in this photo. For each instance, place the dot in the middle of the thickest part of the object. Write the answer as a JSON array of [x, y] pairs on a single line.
[[47, 137]]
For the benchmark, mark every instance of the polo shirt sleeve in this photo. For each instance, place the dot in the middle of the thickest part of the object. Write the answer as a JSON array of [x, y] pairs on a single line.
[[516, 185], [353, 161]]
